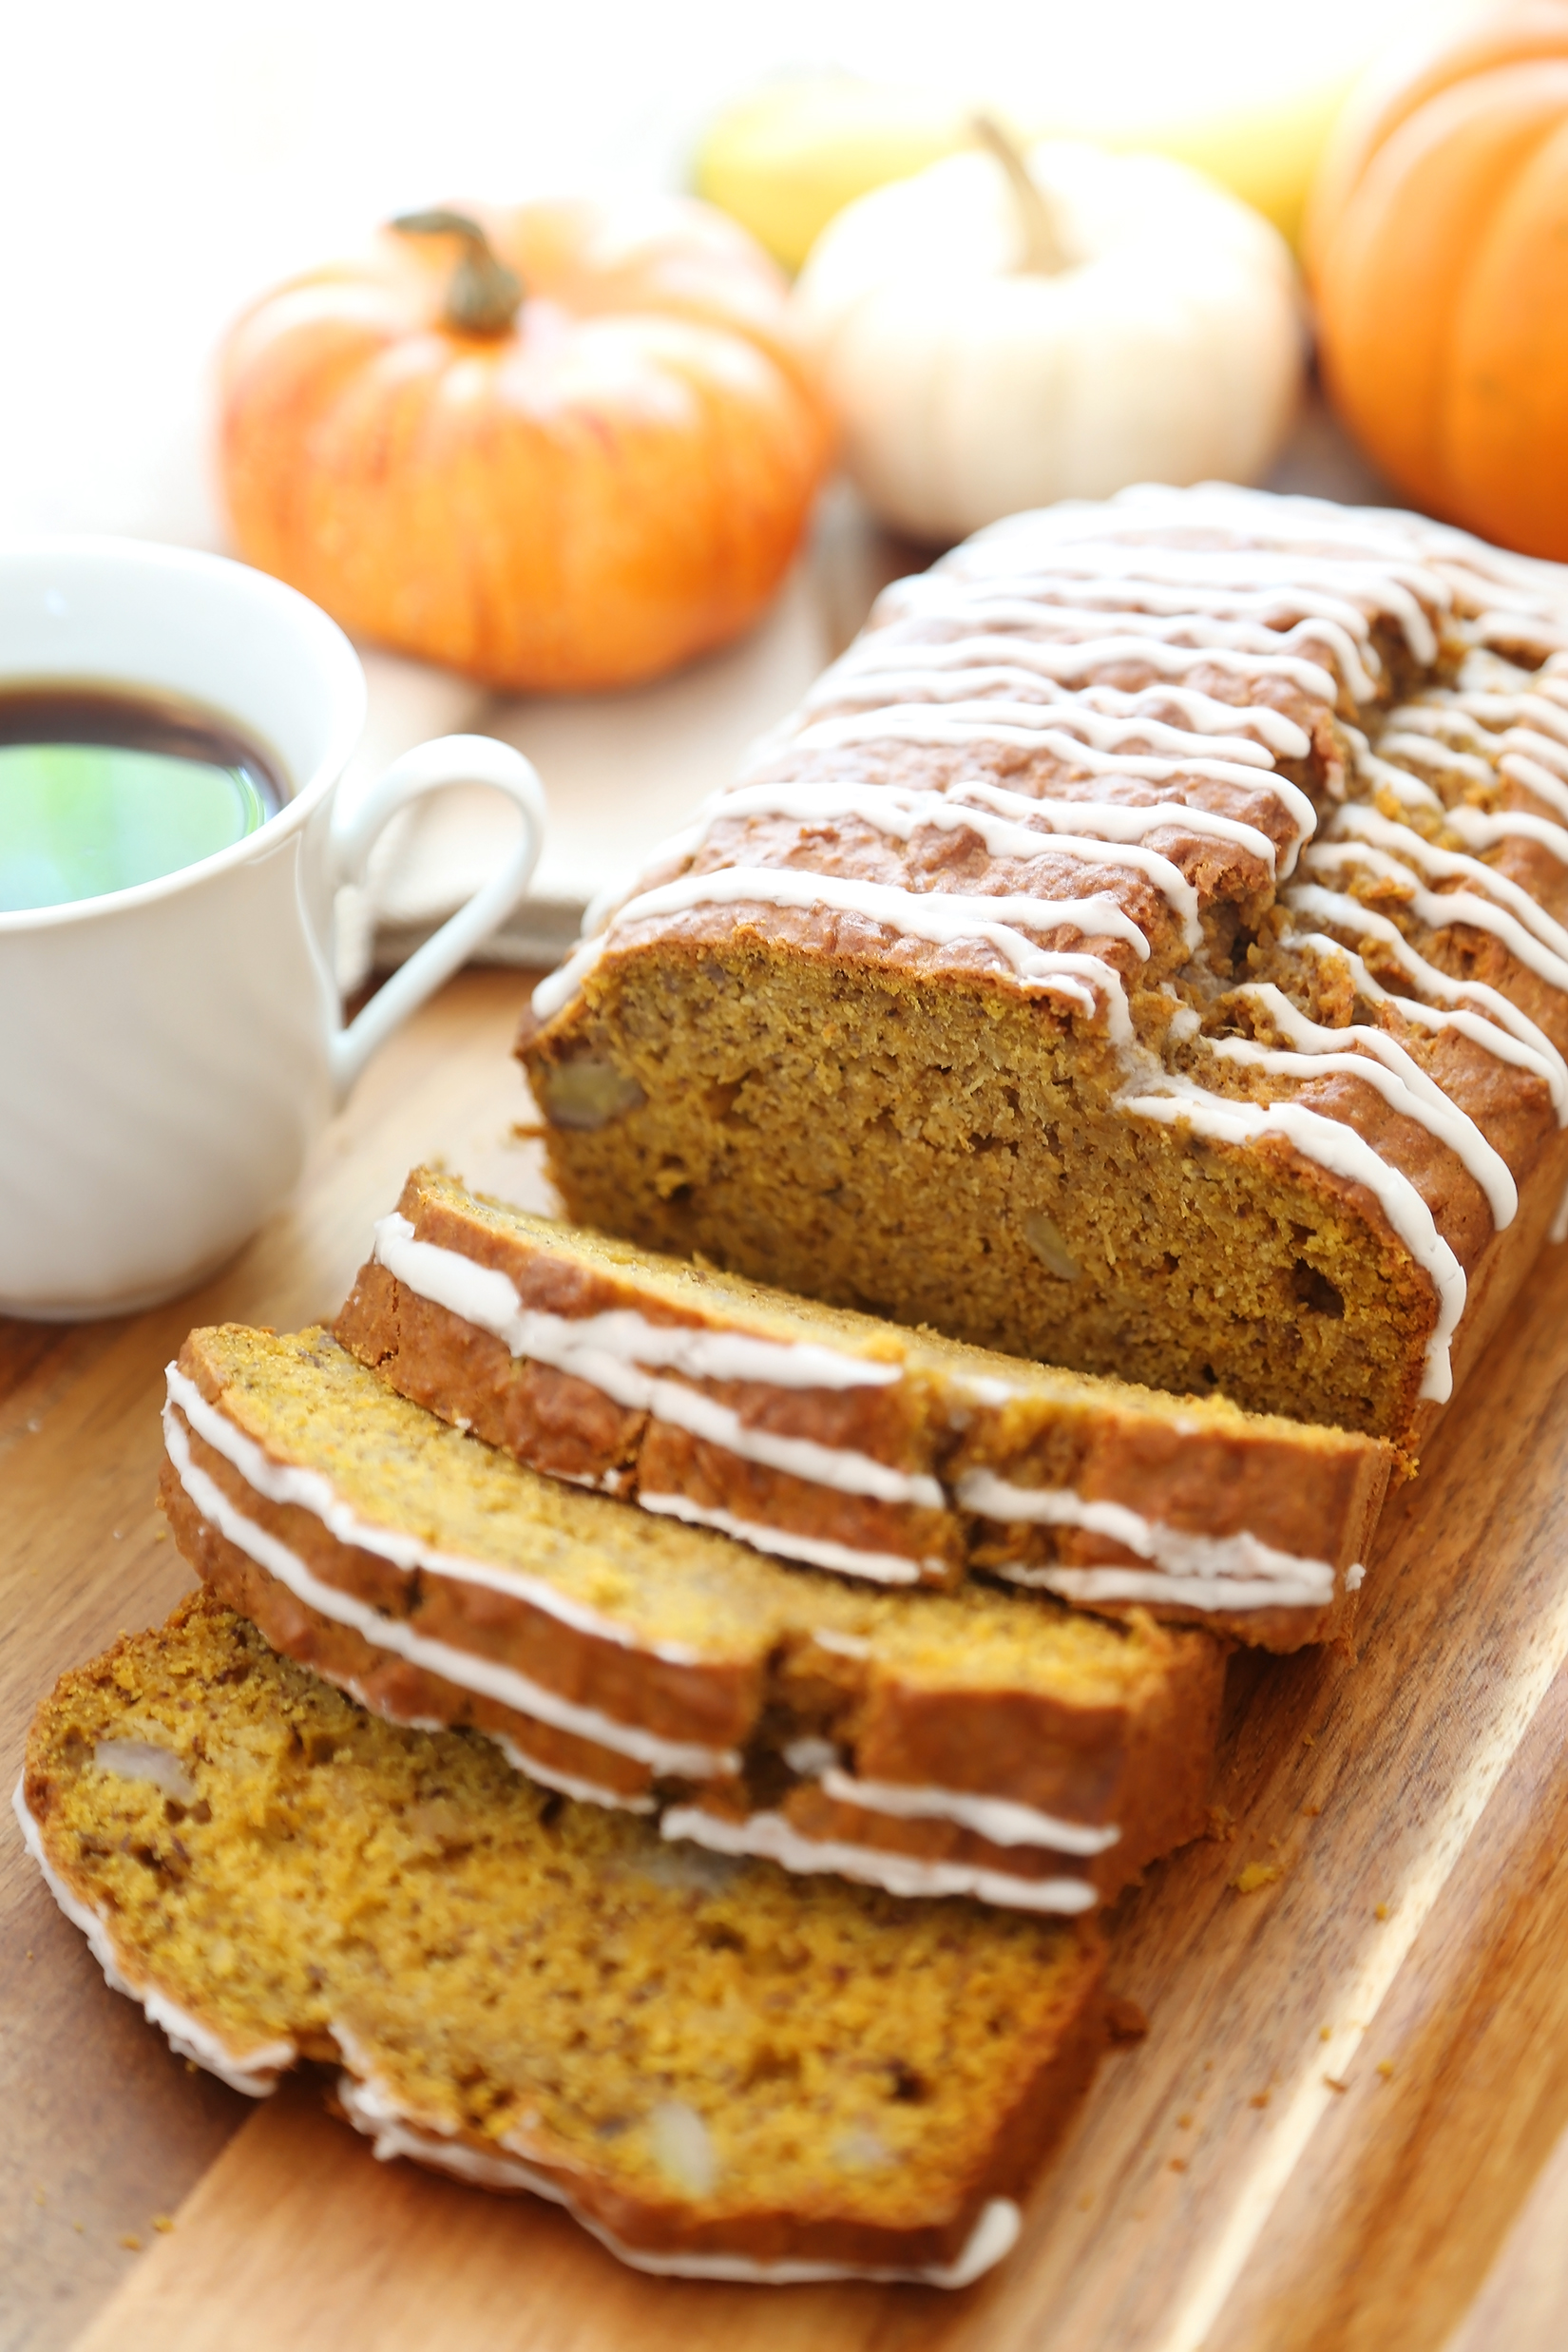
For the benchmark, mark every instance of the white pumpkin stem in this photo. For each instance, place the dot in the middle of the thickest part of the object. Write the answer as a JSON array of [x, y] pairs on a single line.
[[1044, 254]]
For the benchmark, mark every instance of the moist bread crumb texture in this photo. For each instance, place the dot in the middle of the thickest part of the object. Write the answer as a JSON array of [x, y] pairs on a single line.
[[660, 1667], [914, 1457], [1144, 951], [702, 2056]]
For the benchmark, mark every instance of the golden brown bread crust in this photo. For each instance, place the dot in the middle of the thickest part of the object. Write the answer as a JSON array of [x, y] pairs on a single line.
[[1190, 1467], [1154, 1780], [412, 1694], [774, 1059], [1127, 1741], [382, 1681], [569, 1428]]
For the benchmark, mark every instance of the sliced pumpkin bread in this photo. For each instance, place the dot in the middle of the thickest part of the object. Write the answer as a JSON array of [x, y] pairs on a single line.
[[720, 2069], [835, 1437], [980, 1742]]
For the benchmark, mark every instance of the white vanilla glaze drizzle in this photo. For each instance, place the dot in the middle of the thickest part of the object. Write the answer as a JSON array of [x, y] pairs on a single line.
[[1542, 1062], [1558, 1230], [1518, 755], [1392, 540], [1264, 625], [1483, 831], [1410, 791], [1088, 740], [253, 2072], [609, 1352], [842, 1645], [1343, 1153], [1357, 824], [902, 813], [485, 1296], [688, 1759], [1000, 1820], [373, 2110], [1383, 1062], [552, 1776], [1085, 824], [1532, 719], [1516, 628], [904, 677], [1122, 821], [1440, 910], [943, 918], [1494, 1010], [1005, 1821], [548, 1775], [313, 1491], [1087, 603], [1518, 768], [1215, 1567], [1049, 652], [1089, 1586], [1429, 749], [1281, 608], [1019, 725], [846, 1560], [1132, 563], [1091, 715], [774, 1838]]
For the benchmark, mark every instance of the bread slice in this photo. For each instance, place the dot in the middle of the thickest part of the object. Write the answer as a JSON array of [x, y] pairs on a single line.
[[980, 1742], [835, 1437], [1145, 950], [721, 2070]]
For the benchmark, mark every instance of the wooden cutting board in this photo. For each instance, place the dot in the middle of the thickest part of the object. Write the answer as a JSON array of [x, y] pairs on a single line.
[[1338, 2134]]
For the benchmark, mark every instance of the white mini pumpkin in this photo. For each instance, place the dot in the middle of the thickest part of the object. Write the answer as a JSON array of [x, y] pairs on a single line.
[[995, 338]]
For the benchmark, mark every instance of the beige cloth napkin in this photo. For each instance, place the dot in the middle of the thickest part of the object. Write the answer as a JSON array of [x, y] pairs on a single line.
[[622, 771]]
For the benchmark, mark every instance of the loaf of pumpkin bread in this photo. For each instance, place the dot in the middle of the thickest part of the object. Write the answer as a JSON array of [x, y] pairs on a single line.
[[980, 1742], [834, 1438], [721, 2070], [1145, 950]]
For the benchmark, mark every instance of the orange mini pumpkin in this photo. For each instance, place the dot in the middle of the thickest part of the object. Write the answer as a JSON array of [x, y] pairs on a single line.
[[1437, 245], [567, 446]]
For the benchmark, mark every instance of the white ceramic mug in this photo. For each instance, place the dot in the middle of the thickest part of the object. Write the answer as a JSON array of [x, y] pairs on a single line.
[[169, 1053]]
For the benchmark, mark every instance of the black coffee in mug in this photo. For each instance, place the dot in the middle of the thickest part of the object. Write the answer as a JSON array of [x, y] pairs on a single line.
[[101, 788]]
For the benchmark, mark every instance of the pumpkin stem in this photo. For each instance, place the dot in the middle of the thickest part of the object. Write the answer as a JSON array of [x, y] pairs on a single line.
[[1044, 254], [482, 294]]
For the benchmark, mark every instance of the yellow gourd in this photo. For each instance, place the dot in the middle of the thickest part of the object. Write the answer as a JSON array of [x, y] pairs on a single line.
[[785, 160]]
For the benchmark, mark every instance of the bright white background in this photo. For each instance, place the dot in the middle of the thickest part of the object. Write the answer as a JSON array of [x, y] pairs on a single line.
[[161, 160]]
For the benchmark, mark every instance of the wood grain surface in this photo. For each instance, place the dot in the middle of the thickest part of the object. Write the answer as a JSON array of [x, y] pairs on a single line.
[[1345, 2127], [104, 2129]]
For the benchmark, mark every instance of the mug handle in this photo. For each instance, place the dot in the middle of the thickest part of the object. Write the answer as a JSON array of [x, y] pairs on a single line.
[[430, 767]]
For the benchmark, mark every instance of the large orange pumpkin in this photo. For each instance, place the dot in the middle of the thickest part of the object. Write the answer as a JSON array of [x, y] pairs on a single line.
[[567, 446], [1437, 246]]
